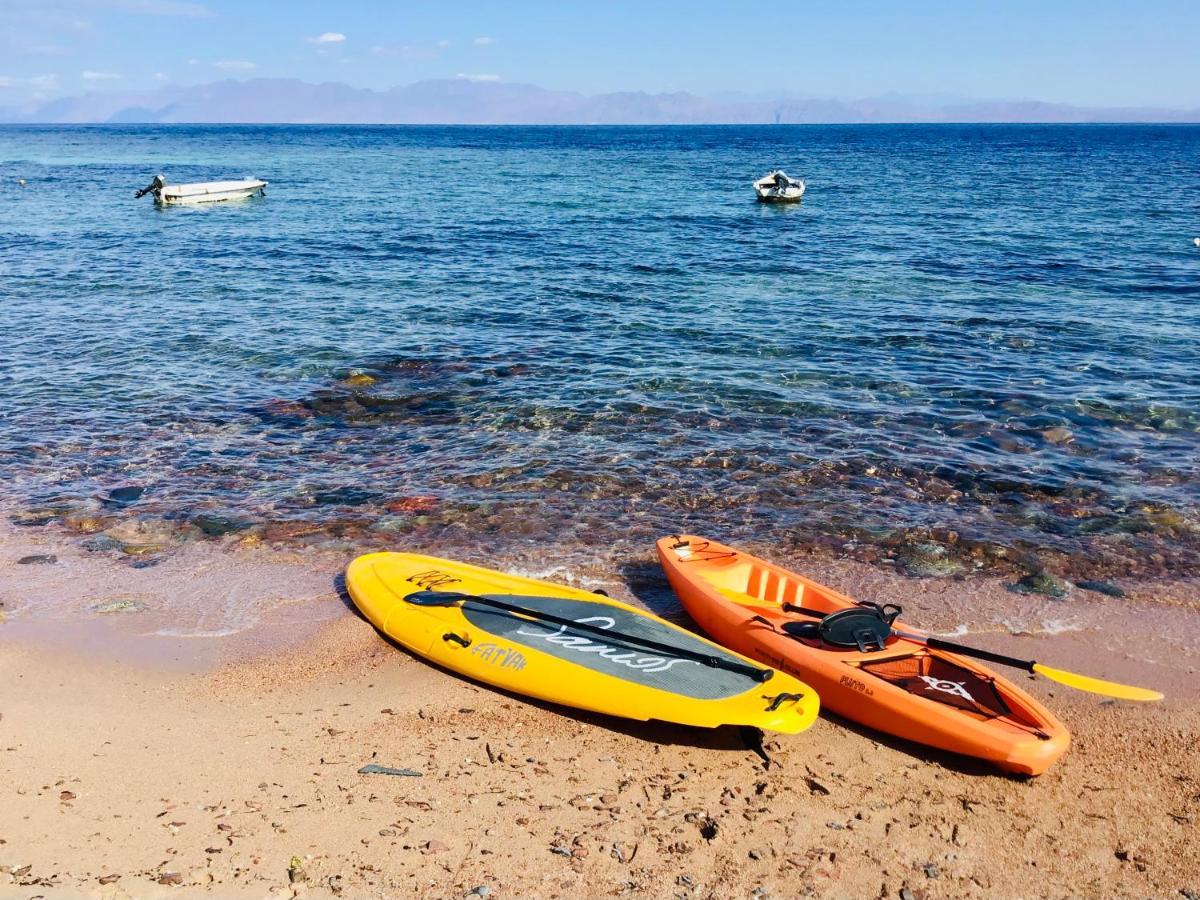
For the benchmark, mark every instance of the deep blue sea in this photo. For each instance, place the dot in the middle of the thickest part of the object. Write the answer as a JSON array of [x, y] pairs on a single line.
[[984, 339]]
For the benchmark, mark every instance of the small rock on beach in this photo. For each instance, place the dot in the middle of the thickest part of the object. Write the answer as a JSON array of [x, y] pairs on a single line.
[[1042, 583]]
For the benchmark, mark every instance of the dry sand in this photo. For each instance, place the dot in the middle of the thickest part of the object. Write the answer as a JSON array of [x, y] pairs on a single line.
[[132, 772]]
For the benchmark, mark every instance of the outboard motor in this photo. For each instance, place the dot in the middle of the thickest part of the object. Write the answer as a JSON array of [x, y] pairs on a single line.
[[156, 185], [781, 181]]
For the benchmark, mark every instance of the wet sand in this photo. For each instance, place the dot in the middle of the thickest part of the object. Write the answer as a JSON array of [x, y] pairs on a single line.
[[141, 758]]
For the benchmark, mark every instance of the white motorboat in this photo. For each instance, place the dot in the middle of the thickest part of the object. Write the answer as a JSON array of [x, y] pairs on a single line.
[[202, 191], [778, 187]]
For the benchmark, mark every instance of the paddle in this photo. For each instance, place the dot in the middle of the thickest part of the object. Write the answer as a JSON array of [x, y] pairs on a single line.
[[451, 598], [1070, 679], [878, 621]]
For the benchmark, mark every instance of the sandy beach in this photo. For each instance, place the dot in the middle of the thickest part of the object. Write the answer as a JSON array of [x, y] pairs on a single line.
[[141, 760]]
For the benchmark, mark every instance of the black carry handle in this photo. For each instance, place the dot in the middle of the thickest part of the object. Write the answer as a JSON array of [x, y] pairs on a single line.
[[450, 598]]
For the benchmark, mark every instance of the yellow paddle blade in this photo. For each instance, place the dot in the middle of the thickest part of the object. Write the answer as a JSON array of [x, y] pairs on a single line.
[[1097, 685]]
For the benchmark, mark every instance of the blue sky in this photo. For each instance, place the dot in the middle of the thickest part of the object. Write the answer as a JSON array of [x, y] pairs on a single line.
[[1092, 53]]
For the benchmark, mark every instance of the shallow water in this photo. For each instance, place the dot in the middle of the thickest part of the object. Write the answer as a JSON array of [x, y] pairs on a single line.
[[981, 338]]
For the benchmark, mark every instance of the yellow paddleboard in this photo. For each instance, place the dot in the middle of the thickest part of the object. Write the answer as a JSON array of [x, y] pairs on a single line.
[[569, 646]]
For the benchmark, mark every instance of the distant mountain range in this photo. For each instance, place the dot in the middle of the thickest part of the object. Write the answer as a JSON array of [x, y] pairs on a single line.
[[475, 102]]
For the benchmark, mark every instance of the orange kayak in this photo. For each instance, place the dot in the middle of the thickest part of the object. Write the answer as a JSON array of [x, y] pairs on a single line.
[[906, 689]]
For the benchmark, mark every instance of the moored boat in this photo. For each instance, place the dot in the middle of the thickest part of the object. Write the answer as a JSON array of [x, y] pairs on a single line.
[[779, 187], [202, 191]]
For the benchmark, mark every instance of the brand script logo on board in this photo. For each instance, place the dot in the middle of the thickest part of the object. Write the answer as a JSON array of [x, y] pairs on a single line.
[[628, 658]]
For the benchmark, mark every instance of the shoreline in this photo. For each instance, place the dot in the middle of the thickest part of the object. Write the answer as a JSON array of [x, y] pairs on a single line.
[[198, 605], [211, 764]]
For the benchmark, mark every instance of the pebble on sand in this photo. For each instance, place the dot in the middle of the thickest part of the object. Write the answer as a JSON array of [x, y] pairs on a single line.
[[296, 871], [38, 559], [119, 606]]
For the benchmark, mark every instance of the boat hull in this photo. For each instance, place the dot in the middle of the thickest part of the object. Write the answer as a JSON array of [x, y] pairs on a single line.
[[213, 192], [773, 195], [738, 600]]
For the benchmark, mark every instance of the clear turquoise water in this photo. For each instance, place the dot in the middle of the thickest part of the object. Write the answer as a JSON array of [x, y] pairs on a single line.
[[980, 336]]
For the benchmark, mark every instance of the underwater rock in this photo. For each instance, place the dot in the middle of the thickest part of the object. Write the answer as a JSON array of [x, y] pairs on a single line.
[[38, 559], [85, 522], [37, 516], [927, 560], [216, 525], [124, 496], [1101, 587], [413, 505], [343, 496], [1163, 516], [392, 523], [142, 536], [281, 532], [101, 543], [1042, 583], [1058, 435], [287, 409], [359, 379]]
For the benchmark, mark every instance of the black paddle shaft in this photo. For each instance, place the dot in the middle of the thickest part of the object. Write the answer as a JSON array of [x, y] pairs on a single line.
[[448, 598], [936, 643], [999, 658]]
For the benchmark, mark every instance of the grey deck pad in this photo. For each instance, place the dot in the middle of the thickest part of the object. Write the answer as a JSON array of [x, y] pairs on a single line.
[[617, 657]]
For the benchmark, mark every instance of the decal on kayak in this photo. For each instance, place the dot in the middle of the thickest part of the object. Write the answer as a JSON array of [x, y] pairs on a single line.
[[618, 656], [936, 678], [501, 657], [432, 579], [959, 689]]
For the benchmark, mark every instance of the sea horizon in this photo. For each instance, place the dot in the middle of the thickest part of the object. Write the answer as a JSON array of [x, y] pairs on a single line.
[[478, 511]]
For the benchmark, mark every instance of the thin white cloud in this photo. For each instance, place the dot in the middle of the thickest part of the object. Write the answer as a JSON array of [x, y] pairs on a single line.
[[233, 65], [89, 75], [408, 51], [483, 41], [157, 8], [160, 76], [443, 44], [46, 50], [466, 77], [39, 83], [329, 37]]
